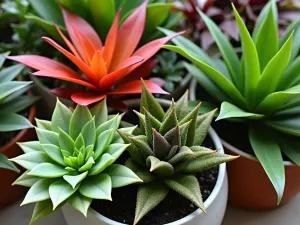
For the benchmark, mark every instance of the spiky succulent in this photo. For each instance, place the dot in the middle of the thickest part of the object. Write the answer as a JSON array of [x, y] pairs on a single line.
[[168, 152], [73, 160]]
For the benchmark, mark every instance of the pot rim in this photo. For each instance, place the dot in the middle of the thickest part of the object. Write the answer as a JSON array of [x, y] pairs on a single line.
[[32, 113], [192, 96], [217, 189]]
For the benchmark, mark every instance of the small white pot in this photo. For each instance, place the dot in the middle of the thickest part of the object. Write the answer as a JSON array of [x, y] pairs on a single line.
[[215, 204]]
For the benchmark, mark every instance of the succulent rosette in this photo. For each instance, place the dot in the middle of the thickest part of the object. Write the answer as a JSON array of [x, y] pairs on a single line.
[[73, 160], [167, 153]]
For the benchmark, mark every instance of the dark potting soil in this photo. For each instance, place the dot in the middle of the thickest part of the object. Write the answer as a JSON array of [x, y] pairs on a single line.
[[173, 208], [6, 137]]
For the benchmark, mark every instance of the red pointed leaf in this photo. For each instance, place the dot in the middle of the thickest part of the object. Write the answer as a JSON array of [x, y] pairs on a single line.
[[62, 75], [42, 63], [64, 92], [151, 48], [109, 80], [72, 20], [142, 71], [98, 65], [87, 98], [135, 87], [78, 62], [111, 40], [129, 35]]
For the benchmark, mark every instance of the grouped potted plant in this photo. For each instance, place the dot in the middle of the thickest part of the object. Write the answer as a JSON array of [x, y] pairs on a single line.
[[17, 112], [73, 162], [259, 91]]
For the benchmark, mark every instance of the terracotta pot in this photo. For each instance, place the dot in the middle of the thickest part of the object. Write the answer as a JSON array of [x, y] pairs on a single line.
[[8, 193], [215, 204], [250, 186]]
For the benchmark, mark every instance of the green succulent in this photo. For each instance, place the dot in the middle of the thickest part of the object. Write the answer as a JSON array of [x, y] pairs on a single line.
[[73, 160], [170, 69], [261, 88], [168, 152], [12, 102]]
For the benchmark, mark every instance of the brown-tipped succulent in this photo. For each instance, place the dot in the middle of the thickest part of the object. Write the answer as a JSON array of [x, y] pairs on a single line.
[[167, 153]]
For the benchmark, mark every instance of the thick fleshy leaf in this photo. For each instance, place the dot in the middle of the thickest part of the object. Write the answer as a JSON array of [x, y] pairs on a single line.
[[116, 150], [6, 164], [65, 141], [31, 160], [48, 170], [121, 176], [38, 192], [74, 180], [101, 164], [161, 147], [30, 146], [140, 171], [188, 187], [169, 122], [89, 132], [104, 139], [202, 126], [100, 112], [268, 153], [54, 153], [80, 117], [43, 124], [88, 165], [183, 154], [26, 180], [158, 167], [60, 191], [251, 65], [229, 110], [42, 209], [87, 98], [129, 35], [61, 117], [97, 187], [148, 197], [80, 203], [112, 123], [47, 137]]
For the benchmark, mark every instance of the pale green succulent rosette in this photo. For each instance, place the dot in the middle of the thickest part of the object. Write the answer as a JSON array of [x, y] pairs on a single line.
[[73, 160], [168, 152]]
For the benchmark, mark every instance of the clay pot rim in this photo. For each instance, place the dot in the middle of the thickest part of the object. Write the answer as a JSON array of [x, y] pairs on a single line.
[[192, 96], [21, 134]]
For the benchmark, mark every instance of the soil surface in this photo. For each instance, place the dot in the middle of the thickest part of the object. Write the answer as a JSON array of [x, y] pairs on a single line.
[[173, 208]]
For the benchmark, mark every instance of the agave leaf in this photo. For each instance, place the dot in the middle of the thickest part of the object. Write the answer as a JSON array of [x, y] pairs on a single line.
[[54, 153], [99, 111], [150, 122], [47, 137], [160, 168], [39, 191], [169, 122], [65, 141], [273, 72], [43, 124], [251, 60], [41, 210], [60, 191], [26, 180], [188, 187], [201, 151], [101, 164], [174, 136], [150, 104], [80, 203], [141, 172], [161, 147], [32, 159], [266, 40], [80, 117], [231, 111], [228, 53], [97, 187], [30, 146], [75, 180], [48, 170], [121, 176], [183, 154], [202, 126], [61, 117], [268, 153], [142, 121], [148, 197]]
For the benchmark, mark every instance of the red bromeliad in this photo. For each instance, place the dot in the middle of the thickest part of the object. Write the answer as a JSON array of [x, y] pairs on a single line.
[[114, 68]]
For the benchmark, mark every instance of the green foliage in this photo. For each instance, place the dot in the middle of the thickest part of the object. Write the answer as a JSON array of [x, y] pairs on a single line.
[[170, 69], [167, 153], [101, 13], [73, 160], [260, 88]]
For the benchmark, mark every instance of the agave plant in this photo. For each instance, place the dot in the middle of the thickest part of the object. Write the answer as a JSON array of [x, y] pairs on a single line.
[[260, 89], [168, 152], [73, 160], [12, 101], [105, 67]]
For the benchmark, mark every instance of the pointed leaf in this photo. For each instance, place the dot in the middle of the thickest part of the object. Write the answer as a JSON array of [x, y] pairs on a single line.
[[42, 209], [80, 117], [100, 112], [65, 141], [6, 164], [47, 137], [183, 154], [90, 162], [74, 180], [116, 150], [26, 180], [160, 168], [32, 159], [140, 171], [101, 164], [203, 124], [43, 124], [169, 122], [31, 146], [89, 132], [161, 147], [48, 170], [80, 203], [54, 153], [104, 139], [61, 117]]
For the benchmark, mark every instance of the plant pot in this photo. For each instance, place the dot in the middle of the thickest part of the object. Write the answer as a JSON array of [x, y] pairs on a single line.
[[48, 102], [10, 193], [215, 204], [249, 185]]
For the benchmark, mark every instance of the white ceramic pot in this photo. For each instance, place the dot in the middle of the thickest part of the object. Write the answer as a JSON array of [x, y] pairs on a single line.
[[215, 204]]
